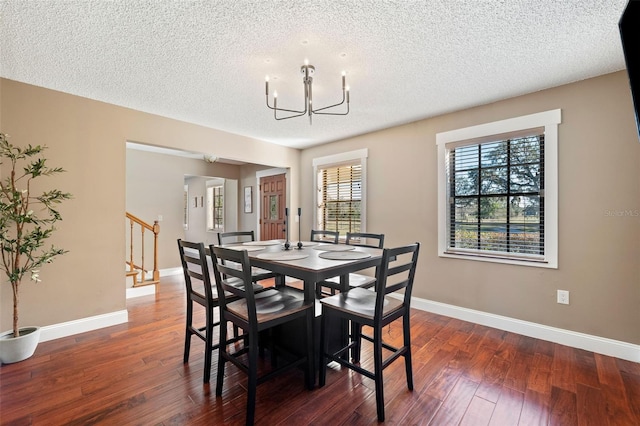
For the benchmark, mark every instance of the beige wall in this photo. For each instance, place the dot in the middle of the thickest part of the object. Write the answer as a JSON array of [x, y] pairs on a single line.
[[599, 159], [599, 171], [88, 139]]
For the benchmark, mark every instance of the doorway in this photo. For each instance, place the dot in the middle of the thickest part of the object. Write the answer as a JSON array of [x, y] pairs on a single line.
[[273, 196]]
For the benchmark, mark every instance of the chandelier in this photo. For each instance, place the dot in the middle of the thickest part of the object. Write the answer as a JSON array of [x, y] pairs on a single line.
[[307, 72]]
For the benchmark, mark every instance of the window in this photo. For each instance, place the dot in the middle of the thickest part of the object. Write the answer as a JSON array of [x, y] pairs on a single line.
[[498, 191], [340, 192], [215, 208], [185, 212]]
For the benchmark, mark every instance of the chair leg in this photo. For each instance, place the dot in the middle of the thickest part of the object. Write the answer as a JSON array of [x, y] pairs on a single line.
[[208, 346], [310, 370], [377, 361], [324, 348], [279, 281], [222, 351], [187, 332], [252, 381], [407, 344], [356, 337], [272, 350]]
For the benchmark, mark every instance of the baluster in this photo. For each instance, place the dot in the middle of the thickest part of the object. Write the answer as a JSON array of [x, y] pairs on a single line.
[[156, 231], [131, 264], [144, 277]]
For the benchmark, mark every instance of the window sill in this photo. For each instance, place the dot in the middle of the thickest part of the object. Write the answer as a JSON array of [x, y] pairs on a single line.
[[494, 259]]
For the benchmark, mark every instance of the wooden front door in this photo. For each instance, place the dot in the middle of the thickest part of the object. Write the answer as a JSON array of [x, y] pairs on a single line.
[[273, 195]]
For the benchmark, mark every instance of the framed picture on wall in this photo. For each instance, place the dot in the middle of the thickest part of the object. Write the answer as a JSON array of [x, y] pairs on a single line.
[[248, 199]]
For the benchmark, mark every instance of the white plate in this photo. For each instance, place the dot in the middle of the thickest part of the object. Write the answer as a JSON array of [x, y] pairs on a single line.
[[344, 255], [282, 255], [262, 243], [334, 247]]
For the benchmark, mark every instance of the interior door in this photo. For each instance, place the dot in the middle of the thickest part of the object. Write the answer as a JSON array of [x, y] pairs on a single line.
[[273, 197]]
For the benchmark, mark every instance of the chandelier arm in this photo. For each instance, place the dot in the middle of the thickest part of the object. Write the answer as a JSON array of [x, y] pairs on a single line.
[[331, 113], [286, 118], [285, 110], [316, 111]]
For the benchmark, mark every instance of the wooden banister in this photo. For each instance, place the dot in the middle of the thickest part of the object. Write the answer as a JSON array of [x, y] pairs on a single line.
[[133, 266]]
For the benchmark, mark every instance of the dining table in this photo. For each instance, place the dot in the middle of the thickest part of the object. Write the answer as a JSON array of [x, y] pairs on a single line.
[[312, 262]]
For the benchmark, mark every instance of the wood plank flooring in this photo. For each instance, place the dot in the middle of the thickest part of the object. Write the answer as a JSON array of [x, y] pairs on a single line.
[[464, 374]]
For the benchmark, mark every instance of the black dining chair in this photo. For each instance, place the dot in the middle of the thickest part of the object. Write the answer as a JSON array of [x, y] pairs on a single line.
[[376, 310], [200, 291], [362, 239], [255, 313], [237, 237], [322, 236]]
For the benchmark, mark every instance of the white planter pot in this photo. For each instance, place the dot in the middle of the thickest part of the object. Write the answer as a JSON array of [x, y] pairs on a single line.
[[15, 349]]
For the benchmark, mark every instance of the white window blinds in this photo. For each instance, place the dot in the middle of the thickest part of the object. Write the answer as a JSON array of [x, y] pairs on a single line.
[[340, 197], [496, 198]]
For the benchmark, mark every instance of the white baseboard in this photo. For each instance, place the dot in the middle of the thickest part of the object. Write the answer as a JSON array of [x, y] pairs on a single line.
[[144, 290], [69, 328], [601, 345], [147, 290], [170, 271]]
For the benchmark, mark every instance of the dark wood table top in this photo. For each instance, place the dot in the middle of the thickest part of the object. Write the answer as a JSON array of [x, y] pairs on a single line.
[[312, 268]]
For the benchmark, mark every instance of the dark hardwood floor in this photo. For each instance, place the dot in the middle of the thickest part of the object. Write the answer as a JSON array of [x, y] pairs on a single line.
[[463, 374]]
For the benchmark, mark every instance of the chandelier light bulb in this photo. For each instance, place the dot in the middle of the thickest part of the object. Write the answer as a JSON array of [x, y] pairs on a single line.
[[275, 94]]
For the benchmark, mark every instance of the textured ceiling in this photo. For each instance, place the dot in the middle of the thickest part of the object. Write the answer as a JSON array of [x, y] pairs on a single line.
[[205, 62]]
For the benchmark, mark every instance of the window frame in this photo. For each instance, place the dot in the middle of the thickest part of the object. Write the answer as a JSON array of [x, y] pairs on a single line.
[[336, 160], [210, 211], [548, 121], [185, 207]]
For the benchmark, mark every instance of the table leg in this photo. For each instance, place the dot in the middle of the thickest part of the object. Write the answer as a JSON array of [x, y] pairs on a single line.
[[344, 324]]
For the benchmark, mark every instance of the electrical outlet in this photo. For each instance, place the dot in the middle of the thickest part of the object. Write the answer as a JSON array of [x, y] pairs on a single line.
[[563, 297]]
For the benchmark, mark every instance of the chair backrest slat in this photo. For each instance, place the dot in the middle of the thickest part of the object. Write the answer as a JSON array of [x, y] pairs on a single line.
[[396, 272], [195, 267], [219, 258], [319, 235], [365, 239], [235, 237]]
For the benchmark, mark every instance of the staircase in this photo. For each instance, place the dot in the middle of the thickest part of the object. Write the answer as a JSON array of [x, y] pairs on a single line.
[[136, 259]]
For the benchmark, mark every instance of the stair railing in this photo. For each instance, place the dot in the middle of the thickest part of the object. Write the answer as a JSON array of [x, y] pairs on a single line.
[[133, 266]]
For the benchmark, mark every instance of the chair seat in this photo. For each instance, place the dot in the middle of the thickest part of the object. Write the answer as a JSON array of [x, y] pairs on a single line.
[[239, 284], [361, 303], [271, 304], [355, 280]]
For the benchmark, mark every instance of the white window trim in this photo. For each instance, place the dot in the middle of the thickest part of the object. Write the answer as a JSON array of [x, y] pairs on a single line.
[[334, 160], [214, 184], [185, 218], [446, 140]]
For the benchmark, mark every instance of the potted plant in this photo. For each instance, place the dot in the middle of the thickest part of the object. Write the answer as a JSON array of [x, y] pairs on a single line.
[[26, 222]]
